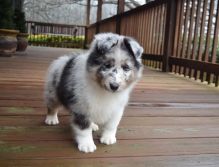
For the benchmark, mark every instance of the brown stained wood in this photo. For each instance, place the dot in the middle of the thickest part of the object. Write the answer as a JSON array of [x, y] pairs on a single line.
[[99, 14], [169, 121], [216, 80], [159, 30], [158, 161], [209, 32], [128, 130], [156, 42], [38, 120], [172, 96], [185, 31], [196, 32], [108, 26], [215, 40], [208, 78], [133, 110], [135, 22], [178, 11], [120, 6], [169, 36], [124, 148], [153, 32], [150, 31], [150, 35], [147, 33], [203, 24], [197, 65], [144, 30], [191, 27], [132, 26], [180, 34], [140, 29], [162, 30], [124, 26], [90, 34]]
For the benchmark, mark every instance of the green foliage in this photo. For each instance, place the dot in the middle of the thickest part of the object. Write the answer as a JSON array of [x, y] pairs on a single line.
[[6, 15], [57, 40], [19, 20]]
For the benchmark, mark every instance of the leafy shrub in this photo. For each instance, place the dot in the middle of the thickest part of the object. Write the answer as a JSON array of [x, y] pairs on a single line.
[[19, 20], [57, 40]]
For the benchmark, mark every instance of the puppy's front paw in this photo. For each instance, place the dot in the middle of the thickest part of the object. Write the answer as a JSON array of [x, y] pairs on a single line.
[[94, 127], [108, 140], [52, 120], [87, 147]]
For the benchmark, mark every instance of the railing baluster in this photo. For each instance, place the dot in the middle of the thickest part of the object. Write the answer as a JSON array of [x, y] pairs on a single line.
[[190, 36], [196, 32], [180, 35], [215, 39], [202, 30], [209, 30], [169, 36], [185, 31]]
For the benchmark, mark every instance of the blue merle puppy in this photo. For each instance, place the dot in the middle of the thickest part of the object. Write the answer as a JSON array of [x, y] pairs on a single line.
[[94, 87]]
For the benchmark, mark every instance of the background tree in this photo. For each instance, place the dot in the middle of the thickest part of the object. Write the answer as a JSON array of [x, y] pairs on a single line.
[[6, 14], [71, 11]]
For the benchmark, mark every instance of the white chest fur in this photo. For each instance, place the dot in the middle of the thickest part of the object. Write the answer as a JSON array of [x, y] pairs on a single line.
[[103, 106]]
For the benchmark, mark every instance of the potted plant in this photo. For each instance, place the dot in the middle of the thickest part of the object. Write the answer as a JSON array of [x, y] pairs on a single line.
[[8, 40], [22, 37]]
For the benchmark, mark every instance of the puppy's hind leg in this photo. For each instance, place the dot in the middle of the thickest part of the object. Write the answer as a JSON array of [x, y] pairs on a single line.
[[52, 116]]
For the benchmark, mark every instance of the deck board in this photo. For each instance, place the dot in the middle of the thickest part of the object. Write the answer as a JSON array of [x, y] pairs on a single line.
[[170, 121]]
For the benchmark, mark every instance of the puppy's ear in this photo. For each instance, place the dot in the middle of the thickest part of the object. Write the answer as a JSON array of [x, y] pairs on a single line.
[[105, 41], [133, 47]]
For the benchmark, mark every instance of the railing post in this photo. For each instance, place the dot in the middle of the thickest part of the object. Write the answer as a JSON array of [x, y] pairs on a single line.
[[120, 9], [99, 15], [169, 33], [88, 13], [85, 36], [87, 24], [120, 6]]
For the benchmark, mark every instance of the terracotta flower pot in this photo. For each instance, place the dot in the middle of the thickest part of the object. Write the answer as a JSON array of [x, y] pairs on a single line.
[[8, 42], [22, 41]]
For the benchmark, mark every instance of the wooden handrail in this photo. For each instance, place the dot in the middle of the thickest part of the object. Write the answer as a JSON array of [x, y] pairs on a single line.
[[55, 24]]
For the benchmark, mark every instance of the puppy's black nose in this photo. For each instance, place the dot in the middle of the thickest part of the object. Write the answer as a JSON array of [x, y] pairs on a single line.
[[114, 86]]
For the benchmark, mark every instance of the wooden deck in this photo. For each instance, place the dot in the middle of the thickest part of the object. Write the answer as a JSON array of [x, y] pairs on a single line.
[[170, 121]]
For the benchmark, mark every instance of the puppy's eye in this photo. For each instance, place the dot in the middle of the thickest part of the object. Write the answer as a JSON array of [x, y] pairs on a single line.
[[125, 67], [114, 44], [107, 65]]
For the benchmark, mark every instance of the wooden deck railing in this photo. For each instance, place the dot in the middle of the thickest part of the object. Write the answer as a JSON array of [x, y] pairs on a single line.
[[55, 35], [179, 36]]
